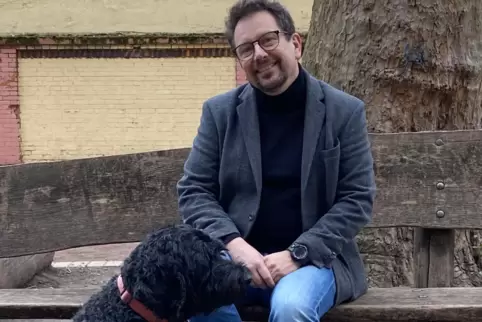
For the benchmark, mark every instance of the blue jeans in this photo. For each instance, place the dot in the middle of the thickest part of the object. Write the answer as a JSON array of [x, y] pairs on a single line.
[[304, 295]]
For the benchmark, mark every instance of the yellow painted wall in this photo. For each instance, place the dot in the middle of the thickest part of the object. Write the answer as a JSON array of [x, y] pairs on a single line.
[[75, 108], [99, 16]]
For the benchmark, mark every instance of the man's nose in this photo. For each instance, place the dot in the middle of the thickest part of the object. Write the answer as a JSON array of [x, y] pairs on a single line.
[[259, 52]]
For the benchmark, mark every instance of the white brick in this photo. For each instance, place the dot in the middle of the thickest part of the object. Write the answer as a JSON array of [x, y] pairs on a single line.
[[74, 108]]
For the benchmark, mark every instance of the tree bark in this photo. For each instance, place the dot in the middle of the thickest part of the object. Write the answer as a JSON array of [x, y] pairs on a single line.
[[417, 66]]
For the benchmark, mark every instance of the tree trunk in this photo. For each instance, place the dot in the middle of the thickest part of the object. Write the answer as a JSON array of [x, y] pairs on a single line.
[[417, 65]]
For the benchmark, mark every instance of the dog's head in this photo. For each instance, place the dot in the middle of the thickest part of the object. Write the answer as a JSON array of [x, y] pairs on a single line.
[[179, 272]]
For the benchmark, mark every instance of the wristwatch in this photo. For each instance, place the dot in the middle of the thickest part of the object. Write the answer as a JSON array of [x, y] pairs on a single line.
[[299, 253]]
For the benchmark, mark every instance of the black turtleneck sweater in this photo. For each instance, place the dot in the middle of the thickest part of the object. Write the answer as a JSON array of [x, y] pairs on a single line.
[[281, 122]]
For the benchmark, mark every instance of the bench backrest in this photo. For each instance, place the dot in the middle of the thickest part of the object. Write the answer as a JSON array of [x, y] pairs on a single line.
[[424, 179]]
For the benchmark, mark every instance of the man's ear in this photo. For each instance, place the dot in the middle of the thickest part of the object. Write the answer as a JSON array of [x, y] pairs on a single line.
[[298, 44]]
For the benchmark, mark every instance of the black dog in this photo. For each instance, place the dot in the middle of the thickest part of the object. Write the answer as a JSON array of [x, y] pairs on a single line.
[[174, 274]]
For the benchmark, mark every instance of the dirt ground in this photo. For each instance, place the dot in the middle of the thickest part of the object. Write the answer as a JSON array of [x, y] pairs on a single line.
[[76, 277], [54, 277]]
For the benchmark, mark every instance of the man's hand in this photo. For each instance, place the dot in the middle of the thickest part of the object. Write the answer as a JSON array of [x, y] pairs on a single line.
[[242, 252], [280, 264]]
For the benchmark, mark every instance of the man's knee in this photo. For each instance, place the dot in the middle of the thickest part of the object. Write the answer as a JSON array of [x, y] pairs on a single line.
[[292, 308], [304, 295]]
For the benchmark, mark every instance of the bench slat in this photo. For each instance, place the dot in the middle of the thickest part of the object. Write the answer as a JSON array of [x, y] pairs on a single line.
[[52, 206], [428, 179], [59, 205], [379, 304]]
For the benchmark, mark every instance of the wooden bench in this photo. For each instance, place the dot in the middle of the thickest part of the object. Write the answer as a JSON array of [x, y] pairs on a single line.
[[429, 180]]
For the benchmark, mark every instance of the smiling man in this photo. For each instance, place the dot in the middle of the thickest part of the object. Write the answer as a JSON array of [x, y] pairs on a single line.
[[281, 170]]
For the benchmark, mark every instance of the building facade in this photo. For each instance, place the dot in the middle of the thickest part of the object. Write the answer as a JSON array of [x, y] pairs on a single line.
[[111, 78]]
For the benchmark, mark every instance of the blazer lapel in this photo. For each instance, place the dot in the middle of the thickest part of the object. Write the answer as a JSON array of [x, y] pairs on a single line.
[[314, 119], [248, 117]]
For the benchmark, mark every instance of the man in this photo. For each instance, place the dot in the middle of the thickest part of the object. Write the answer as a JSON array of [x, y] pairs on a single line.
[[281, 170]]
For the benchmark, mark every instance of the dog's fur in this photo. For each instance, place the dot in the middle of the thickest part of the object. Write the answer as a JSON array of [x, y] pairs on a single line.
[[176, 272]]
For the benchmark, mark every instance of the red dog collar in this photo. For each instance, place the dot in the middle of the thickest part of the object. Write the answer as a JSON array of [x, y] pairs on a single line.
[[137, 306]]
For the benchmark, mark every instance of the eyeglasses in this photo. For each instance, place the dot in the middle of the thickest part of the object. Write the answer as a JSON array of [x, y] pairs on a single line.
[[268, 41]]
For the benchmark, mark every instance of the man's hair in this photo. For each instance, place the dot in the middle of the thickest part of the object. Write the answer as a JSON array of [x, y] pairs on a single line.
[[243, 8]]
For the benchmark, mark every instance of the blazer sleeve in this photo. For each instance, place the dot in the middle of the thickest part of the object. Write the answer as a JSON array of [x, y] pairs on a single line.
[[355, 194], [198, 188]]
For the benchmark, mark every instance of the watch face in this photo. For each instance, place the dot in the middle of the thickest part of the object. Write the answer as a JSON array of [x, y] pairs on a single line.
[[300, 252]]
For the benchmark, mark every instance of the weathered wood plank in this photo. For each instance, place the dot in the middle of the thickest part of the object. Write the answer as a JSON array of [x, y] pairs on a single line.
[[385, 304], [421, 257], [421, 182], [442, 248], [428, 179], [59, 205], [434, 257]]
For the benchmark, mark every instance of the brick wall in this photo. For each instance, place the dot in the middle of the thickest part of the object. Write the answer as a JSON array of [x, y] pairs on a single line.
[[60, 101], [240, 74], [9, 107], [77, 107]]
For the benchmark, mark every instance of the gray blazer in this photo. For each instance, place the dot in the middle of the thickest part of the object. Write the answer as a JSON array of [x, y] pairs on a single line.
[[221, 186]]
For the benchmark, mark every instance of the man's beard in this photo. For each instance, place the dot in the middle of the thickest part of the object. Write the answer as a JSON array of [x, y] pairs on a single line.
[[272, 83]]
